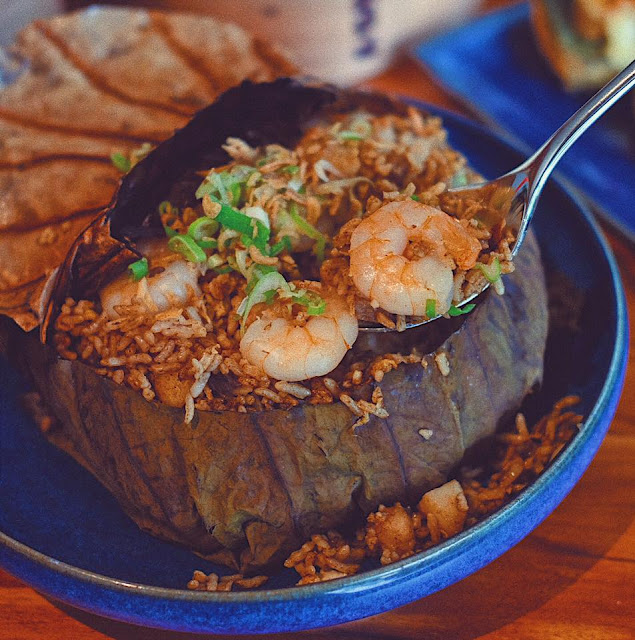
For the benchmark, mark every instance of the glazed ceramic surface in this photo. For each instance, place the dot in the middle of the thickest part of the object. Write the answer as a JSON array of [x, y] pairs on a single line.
[[63, 534]]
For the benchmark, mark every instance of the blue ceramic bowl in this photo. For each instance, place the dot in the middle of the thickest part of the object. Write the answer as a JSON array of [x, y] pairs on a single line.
[[62, 533]]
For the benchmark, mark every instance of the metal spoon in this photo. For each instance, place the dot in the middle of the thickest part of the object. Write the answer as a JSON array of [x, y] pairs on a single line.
[[524, 184]]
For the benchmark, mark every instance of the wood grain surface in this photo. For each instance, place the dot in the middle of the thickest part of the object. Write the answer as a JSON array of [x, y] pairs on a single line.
[[573, 577]]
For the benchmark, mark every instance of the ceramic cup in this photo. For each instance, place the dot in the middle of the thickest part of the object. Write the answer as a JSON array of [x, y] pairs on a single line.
[[343, 41]]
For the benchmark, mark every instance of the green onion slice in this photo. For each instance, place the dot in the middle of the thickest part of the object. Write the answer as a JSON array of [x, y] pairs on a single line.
[[187, 247], [261, 292], [431, 308], [222, 270], [257, 271], [291, 169], [202, 231], [280, 246], [169, 231], [138, 269], [308, 230], [255, 232], [350, 135], [416, 198], [215, 261], [120, 162], [492, 272], [314, 303], [226, 185], [236, 191], [167, 208], [455, 311]]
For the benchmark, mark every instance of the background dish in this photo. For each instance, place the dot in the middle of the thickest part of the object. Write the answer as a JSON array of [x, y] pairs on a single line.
[[493, 65], [63, 534]]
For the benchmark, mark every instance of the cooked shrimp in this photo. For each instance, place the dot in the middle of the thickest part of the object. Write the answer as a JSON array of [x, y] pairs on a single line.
[[171, 282], [401, 284], [286, 351]]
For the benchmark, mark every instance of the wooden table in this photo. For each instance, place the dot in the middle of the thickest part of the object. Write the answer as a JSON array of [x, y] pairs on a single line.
[[573, 577]]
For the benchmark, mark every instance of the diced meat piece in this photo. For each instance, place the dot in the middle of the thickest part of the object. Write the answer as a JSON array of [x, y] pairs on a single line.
[[445, 509]]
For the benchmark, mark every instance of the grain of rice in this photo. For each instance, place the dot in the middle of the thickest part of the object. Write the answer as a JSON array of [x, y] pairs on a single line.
[[197, 388], [269, 394], [351, 404], [331, 386], [189, 408], [293, 388], [369, 407], [113, 362], [481, 494], [442, 363]]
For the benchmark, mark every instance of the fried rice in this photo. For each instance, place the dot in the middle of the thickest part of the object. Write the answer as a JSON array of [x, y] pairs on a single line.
[[396, 532], [311, 199]]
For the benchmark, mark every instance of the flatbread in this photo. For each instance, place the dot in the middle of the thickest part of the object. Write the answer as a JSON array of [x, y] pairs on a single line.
[[76, 88]]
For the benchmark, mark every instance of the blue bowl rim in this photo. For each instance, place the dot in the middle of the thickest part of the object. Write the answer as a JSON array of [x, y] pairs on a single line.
[[454, 545]]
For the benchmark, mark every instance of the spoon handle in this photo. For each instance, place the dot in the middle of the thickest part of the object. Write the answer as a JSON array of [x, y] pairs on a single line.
[[542, 162]]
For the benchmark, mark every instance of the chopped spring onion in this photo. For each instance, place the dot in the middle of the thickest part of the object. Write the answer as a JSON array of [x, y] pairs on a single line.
[[360, 124], [416, 198], [169, 215], [166, 208], [121, 162], [308, 230], [169, 231], [138, 154], [350, 135], [281, 245], [202, 231], [253, 178], [257, 271], [226, 185], [259, 214], [455, 311], [314, 303], [272, 281], [291, 169], [322, 166], [187, 247], [236, 191], [221, 270], [138, 269], [226, 236], [241, 262], [459, 179], [231, 261], [255, 232], [431, 308], [296, 184], [492, 273], [215, 261]]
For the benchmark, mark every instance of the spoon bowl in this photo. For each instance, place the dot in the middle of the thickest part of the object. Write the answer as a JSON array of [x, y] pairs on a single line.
[[517, 191]]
